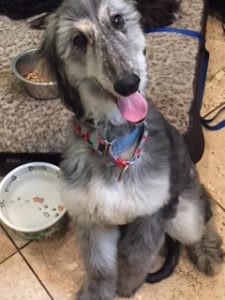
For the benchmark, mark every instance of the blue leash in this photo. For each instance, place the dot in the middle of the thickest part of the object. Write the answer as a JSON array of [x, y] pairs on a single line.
[[203, 73], [187, 32], [220, 125]]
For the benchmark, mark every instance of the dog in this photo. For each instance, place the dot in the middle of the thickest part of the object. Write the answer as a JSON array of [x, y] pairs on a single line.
[[123, 164]]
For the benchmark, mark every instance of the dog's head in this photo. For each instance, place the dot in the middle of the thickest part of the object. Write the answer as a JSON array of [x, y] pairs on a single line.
[[95, 50]]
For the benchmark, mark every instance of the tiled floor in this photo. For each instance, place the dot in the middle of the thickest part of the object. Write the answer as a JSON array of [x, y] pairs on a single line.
[[52, 269]]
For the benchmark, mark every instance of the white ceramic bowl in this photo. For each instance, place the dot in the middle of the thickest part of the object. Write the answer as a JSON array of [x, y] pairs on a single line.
[[30, 200]]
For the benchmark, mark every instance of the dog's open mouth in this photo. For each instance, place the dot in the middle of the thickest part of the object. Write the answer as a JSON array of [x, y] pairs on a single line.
[[133, 108]]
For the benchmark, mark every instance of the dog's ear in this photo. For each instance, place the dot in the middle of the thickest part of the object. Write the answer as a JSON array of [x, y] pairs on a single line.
[[157, 13], [54, 67]]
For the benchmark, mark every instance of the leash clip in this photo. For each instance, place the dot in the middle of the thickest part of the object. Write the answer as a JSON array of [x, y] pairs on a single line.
[[107, 148], [122, 173], [103, 147]]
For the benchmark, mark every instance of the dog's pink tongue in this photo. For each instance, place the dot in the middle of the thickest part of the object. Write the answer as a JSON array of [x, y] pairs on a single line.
[[133, 108]]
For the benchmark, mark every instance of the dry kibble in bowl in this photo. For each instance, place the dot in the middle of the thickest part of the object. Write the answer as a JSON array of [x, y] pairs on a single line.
[[31, 71], [36, 77]]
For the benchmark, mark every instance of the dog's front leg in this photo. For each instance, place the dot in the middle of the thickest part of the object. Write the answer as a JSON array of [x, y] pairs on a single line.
[[137, 251], [99, 251]]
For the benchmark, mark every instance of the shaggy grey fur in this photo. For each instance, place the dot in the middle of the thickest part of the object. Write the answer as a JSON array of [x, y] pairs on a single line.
[[98, 202], [137, 251]]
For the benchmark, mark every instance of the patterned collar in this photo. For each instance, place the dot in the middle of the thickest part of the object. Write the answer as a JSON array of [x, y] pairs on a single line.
[[111, 151]]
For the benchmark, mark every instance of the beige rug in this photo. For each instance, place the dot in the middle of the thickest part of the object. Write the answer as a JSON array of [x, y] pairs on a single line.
[[29, 125]]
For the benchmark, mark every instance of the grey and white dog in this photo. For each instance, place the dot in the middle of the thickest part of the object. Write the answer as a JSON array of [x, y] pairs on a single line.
[[95, 50]]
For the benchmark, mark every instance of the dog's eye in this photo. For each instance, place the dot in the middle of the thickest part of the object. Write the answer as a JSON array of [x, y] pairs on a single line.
[[80, 41], [117, 21]]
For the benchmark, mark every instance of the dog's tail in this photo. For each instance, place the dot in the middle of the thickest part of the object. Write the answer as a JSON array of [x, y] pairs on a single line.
[[172, 258]]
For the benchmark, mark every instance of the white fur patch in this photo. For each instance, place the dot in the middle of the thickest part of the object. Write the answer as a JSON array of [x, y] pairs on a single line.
[[85, 25], [116, 204], [188, 225], [103, 12]]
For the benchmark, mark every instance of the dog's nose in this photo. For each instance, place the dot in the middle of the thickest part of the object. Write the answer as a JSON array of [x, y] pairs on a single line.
[[127, 85]]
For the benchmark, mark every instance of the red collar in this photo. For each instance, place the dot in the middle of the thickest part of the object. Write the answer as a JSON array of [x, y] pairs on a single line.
[[111, 151]]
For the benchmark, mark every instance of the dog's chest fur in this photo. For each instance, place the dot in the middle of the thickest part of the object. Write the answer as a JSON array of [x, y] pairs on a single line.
[[92, 193], [116, 204]]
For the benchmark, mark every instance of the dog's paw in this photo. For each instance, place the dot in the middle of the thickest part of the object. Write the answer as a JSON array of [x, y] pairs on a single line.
[[83, 294], [207, 254], [123, 293], [86, 294], [126, 290]]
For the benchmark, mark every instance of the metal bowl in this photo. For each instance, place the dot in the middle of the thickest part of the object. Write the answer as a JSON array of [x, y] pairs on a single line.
[[24, 64]]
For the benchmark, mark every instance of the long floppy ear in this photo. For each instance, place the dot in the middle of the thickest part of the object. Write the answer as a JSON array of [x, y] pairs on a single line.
[[157, 13], [54, 65]]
